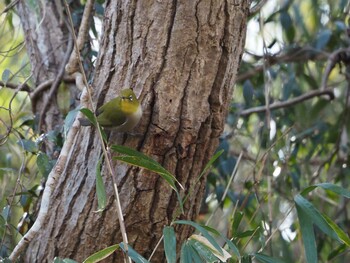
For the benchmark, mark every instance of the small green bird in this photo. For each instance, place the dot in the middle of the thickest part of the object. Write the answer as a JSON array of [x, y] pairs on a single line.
[[122, 113]]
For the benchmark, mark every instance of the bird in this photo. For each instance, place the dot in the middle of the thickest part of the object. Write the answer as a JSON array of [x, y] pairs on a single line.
[[121, 114]]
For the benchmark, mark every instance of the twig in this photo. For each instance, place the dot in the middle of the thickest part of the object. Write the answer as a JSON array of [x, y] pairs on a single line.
[[289, 103], [10, 85], [44, 86], [293, 55], [233, 174], [9, 6], [333, 59]]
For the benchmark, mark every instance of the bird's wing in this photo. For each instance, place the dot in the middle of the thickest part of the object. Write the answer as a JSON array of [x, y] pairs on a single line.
[[108, 116]]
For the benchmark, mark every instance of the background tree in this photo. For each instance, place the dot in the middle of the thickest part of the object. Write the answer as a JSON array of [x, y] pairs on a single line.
[[281, 187]]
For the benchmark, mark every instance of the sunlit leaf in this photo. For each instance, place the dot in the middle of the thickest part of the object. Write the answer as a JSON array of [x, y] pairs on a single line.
[[102, 254]]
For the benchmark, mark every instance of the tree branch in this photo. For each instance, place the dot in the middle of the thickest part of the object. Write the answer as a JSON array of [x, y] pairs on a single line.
[[289, 103], [293, 55]]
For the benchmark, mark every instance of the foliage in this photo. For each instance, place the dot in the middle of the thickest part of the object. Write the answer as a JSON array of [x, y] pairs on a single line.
[[280, 178]]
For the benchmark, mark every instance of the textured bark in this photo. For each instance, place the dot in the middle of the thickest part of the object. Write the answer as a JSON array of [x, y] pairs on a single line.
[[182, 58], [46, 43]]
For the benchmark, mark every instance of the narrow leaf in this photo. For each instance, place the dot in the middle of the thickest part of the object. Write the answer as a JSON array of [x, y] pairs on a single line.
[[340, 233], [89, 115], [136, 257], [185, 253], [335, 188], [169, 244], [211, 161], [139, 159], [102, 254], [308, 235], [315, 216], [100, 189]]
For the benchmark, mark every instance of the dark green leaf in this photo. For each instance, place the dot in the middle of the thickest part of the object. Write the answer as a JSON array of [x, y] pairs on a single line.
[[136, 257], [89, 115], [139, 159], [44, 164], [102, 254], [314, 216], [28, 145], [204, 251], [335, 188], [323, 38], [307, 232], [169, 244]]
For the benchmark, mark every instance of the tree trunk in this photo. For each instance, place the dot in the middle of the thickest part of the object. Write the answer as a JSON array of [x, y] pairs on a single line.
[[181, 57]]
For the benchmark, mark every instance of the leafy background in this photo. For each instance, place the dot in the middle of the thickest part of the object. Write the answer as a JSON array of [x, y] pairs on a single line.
[[280, 190]]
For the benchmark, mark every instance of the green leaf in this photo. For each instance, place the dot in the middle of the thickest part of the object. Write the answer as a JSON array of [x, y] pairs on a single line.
[[315, 216], [68, 121], [335, 188], [266, 259], [202, 230], [308, 235], [133, 254], [211, 162], [102, 254], [89, 115], [340, 233], [203, 251], [28, 145], [323, 39], [139, 159], [185, 256], [169, 244], [100, 189], [337, 252], [44, 164], [237, 218]]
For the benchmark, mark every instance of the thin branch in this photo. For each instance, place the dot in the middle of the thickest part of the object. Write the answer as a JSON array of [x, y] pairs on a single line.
[[293, 55], [9, 6], [55, 83], [44, 86], [10, 85], [335, 58], [289, 103]]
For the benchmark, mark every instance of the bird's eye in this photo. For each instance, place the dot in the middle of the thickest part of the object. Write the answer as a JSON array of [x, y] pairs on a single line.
[[131, 98]]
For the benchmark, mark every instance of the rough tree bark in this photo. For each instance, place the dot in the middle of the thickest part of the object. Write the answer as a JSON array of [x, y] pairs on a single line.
[[181, 57]]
